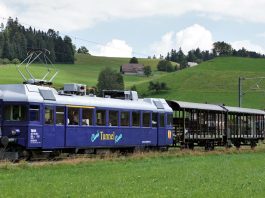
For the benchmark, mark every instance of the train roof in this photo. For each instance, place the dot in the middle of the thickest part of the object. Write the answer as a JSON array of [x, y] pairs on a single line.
[[213, 107], [41, 94], [192, 105], [244, 110]]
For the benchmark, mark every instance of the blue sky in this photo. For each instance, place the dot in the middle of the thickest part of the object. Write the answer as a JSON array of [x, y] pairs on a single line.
[[141, 28]]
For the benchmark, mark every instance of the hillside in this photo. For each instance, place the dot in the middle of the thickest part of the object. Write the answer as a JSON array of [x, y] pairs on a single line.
[[214, 81], [85, 70]]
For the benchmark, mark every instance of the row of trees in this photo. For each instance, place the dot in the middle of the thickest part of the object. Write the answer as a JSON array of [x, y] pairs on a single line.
[[219, 49], [15, 40]]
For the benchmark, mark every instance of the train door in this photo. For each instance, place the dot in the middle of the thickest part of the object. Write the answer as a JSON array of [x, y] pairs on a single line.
[[53, 127], [161, 138], [155, 125]]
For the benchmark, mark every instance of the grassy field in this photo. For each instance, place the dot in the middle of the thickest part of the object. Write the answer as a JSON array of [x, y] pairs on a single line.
[[85, 70], [211, 175], [214, 81]]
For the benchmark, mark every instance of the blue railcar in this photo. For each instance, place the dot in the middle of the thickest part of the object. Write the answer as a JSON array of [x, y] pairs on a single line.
[[40, 118]]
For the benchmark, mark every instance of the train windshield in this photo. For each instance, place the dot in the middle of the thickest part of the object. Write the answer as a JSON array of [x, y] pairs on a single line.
[[15, 112]]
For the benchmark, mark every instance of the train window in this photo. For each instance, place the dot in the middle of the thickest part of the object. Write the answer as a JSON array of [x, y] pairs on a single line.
[[73, 116], [101, 117], [87, 117], [34, 113], [125, 118], [49, 115], [0, 112], [169, 119], [146, 119], [59, 115], [154, 120], [162, 120], [136, 119], [15, 112], [113, 118]]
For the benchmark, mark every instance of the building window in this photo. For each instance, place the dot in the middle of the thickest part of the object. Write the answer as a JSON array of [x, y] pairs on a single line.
[[162, 120], [136, 119], [113, 118], [87, 117], [34, 113], [15, 112], [59, 115], [49, 118], [73, 116], [146, 119], [125, 119], [101, 117]]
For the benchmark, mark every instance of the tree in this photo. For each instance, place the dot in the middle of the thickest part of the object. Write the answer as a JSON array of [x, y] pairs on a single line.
[[109, 79], [134, 60], [222, 48], [165, 65], [147, 70], [157, 86], [15, 39], [82, 50]]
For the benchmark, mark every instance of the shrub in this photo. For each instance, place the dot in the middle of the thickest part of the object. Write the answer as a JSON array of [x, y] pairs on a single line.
[[165, 65], [15, 61], [6, 61]]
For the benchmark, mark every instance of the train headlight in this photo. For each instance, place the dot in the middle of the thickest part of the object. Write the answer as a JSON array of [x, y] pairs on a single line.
[[15, 131]]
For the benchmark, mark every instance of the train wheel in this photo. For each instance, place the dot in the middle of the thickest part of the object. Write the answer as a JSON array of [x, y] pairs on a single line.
[[253, 144]]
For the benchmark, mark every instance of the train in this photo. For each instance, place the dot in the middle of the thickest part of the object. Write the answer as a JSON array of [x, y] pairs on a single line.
[[40, 119]]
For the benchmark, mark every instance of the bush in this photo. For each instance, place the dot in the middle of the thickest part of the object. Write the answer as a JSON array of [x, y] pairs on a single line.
[[165, 65], [6, 61], [147, 70], [134, 60], [15, 61], [157, 86]]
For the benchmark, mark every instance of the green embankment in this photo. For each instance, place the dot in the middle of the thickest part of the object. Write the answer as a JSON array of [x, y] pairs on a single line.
[[233, 175], [214, 81]]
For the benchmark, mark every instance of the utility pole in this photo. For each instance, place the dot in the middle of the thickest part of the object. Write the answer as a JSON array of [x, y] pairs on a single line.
[[240, 91]]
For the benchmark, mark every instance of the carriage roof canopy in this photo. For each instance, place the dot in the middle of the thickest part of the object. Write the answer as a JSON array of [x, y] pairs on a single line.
[[191, 105]]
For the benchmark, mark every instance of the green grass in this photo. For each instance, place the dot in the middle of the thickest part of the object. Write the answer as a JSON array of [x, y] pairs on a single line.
[[214, 81], [85, 70], [215, 175]]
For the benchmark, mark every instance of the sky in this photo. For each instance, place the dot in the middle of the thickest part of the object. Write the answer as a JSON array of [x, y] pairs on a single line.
[[141, 28]]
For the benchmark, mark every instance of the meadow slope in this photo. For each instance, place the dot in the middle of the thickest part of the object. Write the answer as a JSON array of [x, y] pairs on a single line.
[[214, 81]]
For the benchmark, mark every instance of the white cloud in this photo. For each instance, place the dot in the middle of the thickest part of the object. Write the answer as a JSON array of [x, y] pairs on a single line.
[[189, 38], [164, 45], [248, 45], [115, 48], [193, 37], [68, 15], [4, 11]]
